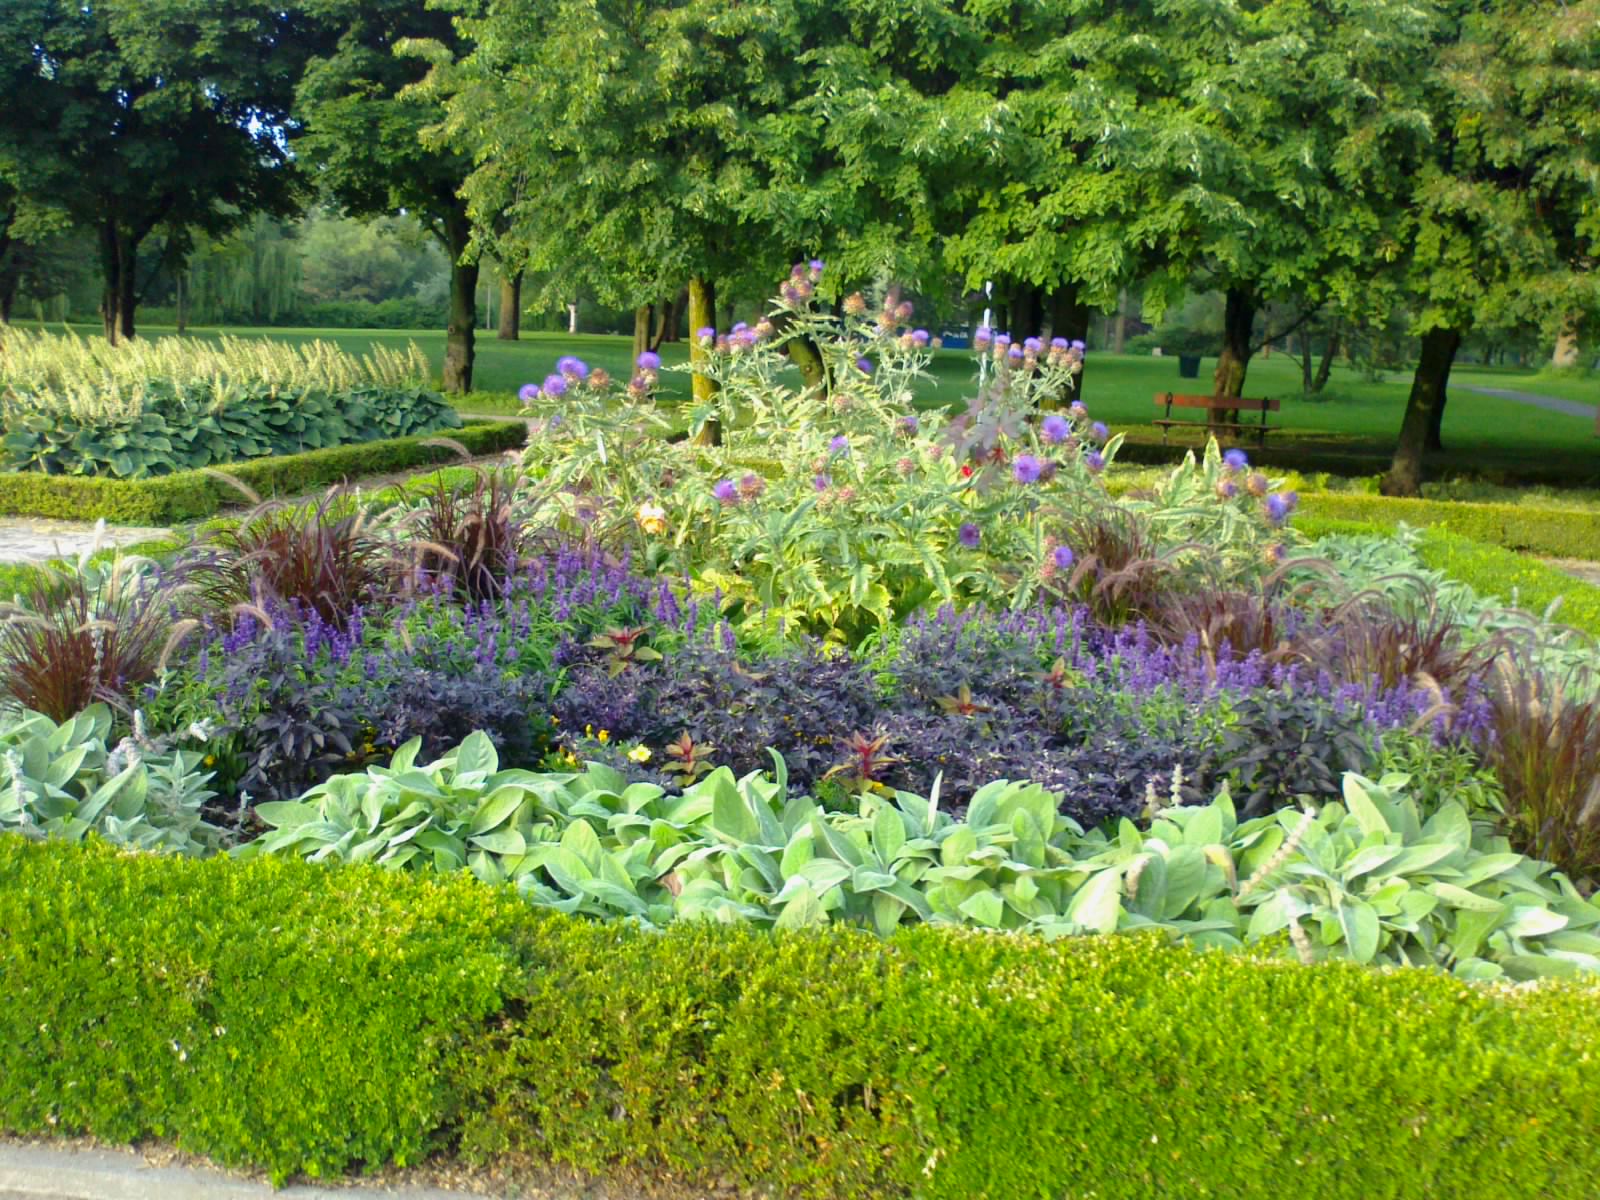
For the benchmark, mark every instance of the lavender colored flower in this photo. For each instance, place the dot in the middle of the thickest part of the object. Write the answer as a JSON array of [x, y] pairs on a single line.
[[1077, 409], [1059, 343], [1277, 508], [1054, 429], [1077, 344], [554, 385], [839, 445], [817, 266], [1292, 499], [706, 333], [1236, 460], [920, 337], [822, 483], [1026, 469], [1061, 557], [1095, 461], [864, 365], [573, 366], [1032, 345], [909, 425], [1002, 340], [1256, 484], [1014, 353], [649, 361], [726, 491], [982, 337], [1227, 489], [529, 393], [751, 485], [970, 535]]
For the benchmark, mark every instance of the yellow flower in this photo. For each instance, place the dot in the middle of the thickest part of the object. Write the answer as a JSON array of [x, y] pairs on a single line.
[[652, 518], [211, 760], [639, 754], [604, 736]]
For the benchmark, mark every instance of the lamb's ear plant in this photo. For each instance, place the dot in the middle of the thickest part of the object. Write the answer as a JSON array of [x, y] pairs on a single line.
[[60, 781], [1368, 879]]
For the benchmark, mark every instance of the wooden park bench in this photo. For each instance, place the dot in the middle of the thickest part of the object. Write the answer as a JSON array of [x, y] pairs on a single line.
[[1171, 400]]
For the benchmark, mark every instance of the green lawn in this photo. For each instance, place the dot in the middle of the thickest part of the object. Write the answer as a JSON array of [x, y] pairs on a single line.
[[1357, 421]]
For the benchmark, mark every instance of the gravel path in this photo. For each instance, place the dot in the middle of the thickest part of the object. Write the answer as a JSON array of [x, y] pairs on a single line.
[[1572, 408]]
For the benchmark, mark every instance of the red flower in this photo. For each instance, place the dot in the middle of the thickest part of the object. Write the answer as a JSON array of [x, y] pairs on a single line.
[[966, 471]]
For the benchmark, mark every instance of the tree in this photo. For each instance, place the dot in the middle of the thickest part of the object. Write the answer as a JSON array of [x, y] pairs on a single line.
[[364, 119], [1504, 206], [129, 117]]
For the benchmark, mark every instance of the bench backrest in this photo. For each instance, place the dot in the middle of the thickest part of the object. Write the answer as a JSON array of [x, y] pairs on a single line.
[[1180, 400]]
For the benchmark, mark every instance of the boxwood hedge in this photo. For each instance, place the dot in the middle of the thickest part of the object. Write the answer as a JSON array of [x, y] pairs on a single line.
[[311, 1018], [187, 495]]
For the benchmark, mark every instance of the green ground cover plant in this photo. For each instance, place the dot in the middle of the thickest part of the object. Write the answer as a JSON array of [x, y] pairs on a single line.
[[813, 1063], [72, 407]]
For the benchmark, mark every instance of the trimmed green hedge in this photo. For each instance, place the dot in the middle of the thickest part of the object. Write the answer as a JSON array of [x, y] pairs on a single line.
[[1497, 572], [1557, 532], [309, 1018], [187, 495]]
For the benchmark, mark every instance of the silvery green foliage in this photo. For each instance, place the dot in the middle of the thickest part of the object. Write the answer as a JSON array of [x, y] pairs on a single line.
[[1391, 567], [61, 781], [1367, 879]]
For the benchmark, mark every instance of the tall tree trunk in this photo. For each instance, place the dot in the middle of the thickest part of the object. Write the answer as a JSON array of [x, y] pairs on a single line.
[[702, 313], [803, 352], [671, 318], [111, 279], [1305, 362], [183, 311], [8, 275], [1069, 318], [1325, 367], [510, 307], [1024, 311], [642, 316], [1565, 357], [1238, 319], [460, 345], [1119, 331], [1428, 386], [127, 284]]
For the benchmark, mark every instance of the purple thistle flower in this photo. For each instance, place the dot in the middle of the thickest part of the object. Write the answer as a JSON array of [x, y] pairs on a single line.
[[529, 393], [575, 367], [982, 337], [1032, 345], [1077, 409], [1099, 432], [920, 337], [909, 425], [970, 535], [554, 385], [864, 365], [1236, 460], [1227, 489], [1054, 429], [1059, 343], [1095, 461], [726, 491], [1277, 508], [822, 483], [649, 361], [840, 445], [1014, 353], [1002, 340], [1026, 469], [1292, 499], [1061, 557], [1077, 344], [706, 333]]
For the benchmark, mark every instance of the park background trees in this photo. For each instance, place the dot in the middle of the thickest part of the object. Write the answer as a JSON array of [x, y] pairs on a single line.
[[1363, 175]]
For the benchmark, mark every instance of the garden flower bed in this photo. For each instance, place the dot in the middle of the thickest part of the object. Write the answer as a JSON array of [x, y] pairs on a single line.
[[869, 682]]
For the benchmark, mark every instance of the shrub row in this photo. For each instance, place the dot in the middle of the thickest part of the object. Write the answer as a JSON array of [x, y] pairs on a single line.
[[188, 495], [1496, 571], [310, 1018], [1557, 532]]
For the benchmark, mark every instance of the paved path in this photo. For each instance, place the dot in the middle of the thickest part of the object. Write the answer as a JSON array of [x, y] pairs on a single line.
[[1572, 408], [29, 539]]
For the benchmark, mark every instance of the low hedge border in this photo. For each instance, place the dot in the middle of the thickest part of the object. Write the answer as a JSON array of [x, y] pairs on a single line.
[[1507, 576], [1555, 532], [309, 1018], [188, 495]]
